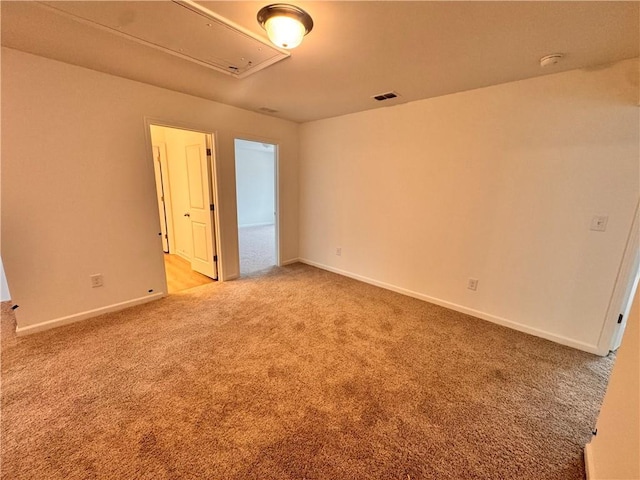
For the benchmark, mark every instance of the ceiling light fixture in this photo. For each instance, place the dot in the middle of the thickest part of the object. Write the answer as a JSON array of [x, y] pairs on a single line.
[[286, 25]]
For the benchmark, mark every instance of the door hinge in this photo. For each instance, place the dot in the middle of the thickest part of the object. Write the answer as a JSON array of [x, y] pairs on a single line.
[[620, 317], [211, 207], [215, 258], [209, 152]]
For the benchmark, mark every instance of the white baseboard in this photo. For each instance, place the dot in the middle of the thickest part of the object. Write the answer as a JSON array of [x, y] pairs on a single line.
[[588, 462], [59, 322], [256, 224], [183, 256], [289, 262], [462, 309]]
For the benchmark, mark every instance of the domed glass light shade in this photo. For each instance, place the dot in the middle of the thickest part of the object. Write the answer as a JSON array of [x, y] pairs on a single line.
[[286, 25]]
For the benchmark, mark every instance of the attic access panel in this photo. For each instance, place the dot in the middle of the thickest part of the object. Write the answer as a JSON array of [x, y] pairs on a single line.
[[179, 27]]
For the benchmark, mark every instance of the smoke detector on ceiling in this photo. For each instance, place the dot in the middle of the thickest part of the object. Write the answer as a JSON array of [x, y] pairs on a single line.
[[552, 59]]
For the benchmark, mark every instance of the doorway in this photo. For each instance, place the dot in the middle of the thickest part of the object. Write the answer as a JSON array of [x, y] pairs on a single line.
[[629, 295], [183, 166], [623, 292], [256, 195]]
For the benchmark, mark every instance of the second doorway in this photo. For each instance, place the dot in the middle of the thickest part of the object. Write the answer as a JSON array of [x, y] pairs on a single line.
[[256, 193]]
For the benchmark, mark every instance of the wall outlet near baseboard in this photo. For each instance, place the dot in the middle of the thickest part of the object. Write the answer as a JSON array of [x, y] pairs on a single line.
[[339, 251], [472, 284], [96, 280]]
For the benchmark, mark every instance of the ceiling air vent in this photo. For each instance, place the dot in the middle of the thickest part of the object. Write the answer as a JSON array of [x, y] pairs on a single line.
[[385, 96], [183, 28]]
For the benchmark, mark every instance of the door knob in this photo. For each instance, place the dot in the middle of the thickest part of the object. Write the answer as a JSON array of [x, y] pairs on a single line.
[[187, 214]]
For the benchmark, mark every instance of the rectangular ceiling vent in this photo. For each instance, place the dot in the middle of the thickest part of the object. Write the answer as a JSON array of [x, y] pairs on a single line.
[[385, 96], [182, 28]]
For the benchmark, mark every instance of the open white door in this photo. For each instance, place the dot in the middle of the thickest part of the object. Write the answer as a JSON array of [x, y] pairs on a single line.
[[200, 211], [626, 305], [158, 154], [623, 291]]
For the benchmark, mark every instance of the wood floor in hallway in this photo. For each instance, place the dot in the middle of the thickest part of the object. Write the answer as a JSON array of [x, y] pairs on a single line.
[[180, 276]]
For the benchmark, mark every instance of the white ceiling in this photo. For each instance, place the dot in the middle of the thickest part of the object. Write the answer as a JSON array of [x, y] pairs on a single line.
[[356, 50]]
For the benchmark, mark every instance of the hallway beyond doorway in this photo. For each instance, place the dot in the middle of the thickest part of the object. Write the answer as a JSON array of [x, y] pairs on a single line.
[[256, 195], [257, 248], [180, 276]]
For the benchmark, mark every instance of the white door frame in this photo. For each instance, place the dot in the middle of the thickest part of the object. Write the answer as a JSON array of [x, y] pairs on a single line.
[[621, 289], [213, 135], [276, 175]]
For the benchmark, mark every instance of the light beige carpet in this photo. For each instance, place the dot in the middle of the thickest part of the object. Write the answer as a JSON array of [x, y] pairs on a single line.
[[257, 248], [296, 374]]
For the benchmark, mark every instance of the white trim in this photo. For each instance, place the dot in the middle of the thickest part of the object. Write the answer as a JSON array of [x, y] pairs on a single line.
[[183, 256], [217, 222], [290, 261], [211, 145], [256, 224], [588, 462], [276, 200], [626, 274], [59, 322], [462, 309]]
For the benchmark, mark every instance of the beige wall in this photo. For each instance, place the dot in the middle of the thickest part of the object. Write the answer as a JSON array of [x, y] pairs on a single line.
[[498, 184], [614, 453], [78, 192]]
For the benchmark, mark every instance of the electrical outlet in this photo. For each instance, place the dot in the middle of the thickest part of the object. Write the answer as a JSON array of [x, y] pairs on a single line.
[[339, 251], [472, 284], [96, 280]]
